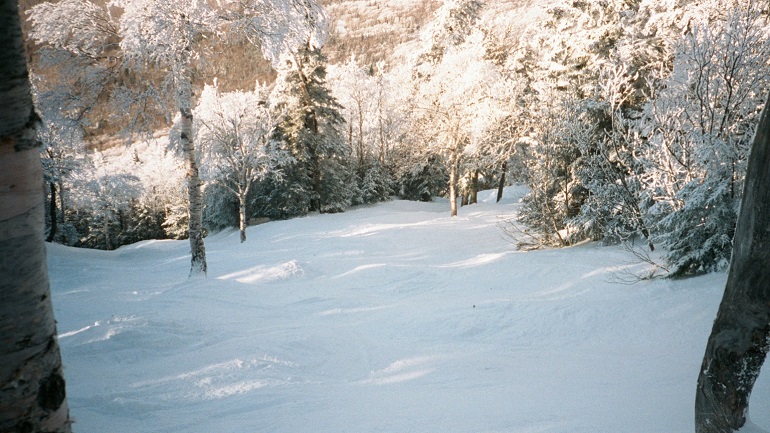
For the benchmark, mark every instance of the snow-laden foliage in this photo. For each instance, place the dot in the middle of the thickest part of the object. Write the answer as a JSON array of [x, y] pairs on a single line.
[[61, 155], [700, 126], [277, 26], [609, 169], [309, 129], [663, 99], [77, 26], [550, 151], [630, 121], [103, 196], [364, 92], [234, 130], [452, 23], [115, 199], [458, 94]]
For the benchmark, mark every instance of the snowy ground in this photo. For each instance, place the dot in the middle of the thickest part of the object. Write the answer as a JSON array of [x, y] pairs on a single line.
[[389, 318]]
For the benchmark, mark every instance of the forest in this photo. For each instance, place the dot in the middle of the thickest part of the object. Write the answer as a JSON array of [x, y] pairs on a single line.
[[614, 128], [629, 121]]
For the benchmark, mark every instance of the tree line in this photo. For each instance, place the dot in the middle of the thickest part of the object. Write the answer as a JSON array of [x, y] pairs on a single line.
[[630, 122]]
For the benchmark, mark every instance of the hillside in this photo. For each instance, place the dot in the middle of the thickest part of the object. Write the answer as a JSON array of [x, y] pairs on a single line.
[[372, 30], [381, 30]]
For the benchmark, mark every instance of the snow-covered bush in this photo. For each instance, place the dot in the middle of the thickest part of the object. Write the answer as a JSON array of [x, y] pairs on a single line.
[[700, 127], [234, 131]]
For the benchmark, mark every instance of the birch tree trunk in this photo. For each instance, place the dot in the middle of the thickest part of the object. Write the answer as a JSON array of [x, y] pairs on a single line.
[[197, 247], [453, 167], [739, 342], [242, 215], [32, 391]]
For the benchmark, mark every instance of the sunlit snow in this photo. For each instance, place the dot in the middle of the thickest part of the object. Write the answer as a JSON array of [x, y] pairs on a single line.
[[385, 318]]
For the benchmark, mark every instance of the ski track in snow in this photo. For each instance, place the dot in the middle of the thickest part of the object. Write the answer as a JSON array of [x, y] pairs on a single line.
[[385, 318]]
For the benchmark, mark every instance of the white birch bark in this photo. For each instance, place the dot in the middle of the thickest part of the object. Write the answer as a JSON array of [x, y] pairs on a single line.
[[453, 167], [186, 140], [32, 391]]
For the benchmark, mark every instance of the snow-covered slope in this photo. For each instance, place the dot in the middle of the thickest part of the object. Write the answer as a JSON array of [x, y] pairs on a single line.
[[388, 318]]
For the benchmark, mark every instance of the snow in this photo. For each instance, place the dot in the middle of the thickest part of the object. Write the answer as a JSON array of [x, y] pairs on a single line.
[[385, 318]]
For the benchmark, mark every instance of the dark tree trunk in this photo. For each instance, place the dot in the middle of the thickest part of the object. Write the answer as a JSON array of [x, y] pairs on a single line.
[[52, 211], [739, 338], [502, 182]]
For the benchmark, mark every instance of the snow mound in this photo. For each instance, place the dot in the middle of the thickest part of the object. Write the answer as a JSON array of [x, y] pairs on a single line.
[[264, 273]]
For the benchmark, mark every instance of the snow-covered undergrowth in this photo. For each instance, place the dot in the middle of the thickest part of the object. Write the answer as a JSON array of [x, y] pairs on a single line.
[[389, 318]]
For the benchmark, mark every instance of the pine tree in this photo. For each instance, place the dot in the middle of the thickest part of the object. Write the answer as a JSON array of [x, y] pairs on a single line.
[[309, 129]]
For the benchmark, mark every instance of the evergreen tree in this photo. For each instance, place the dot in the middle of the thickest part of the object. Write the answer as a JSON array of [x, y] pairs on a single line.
[[309, 129]]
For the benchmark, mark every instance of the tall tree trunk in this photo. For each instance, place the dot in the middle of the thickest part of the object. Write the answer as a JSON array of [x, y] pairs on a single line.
[[52, 212], [32, 390], [242, 215], [197, 247], [739, 341], [453, 167], [501, 186]]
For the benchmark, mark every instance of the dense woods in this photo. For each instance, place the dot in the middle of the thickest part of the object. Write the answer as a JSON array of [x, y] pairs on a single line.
[[630, 122]]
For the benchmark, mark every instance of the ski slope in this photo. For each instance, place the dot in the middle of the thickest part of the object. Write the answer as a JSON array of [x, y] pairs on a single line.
[[387, 318]]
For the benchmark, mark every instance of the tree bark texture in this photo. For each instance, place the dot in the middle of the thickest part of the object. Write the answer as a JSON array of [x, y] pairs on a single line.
[[738, 343], [197, 247], [453, 177], [242, 216], [32, 390]]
